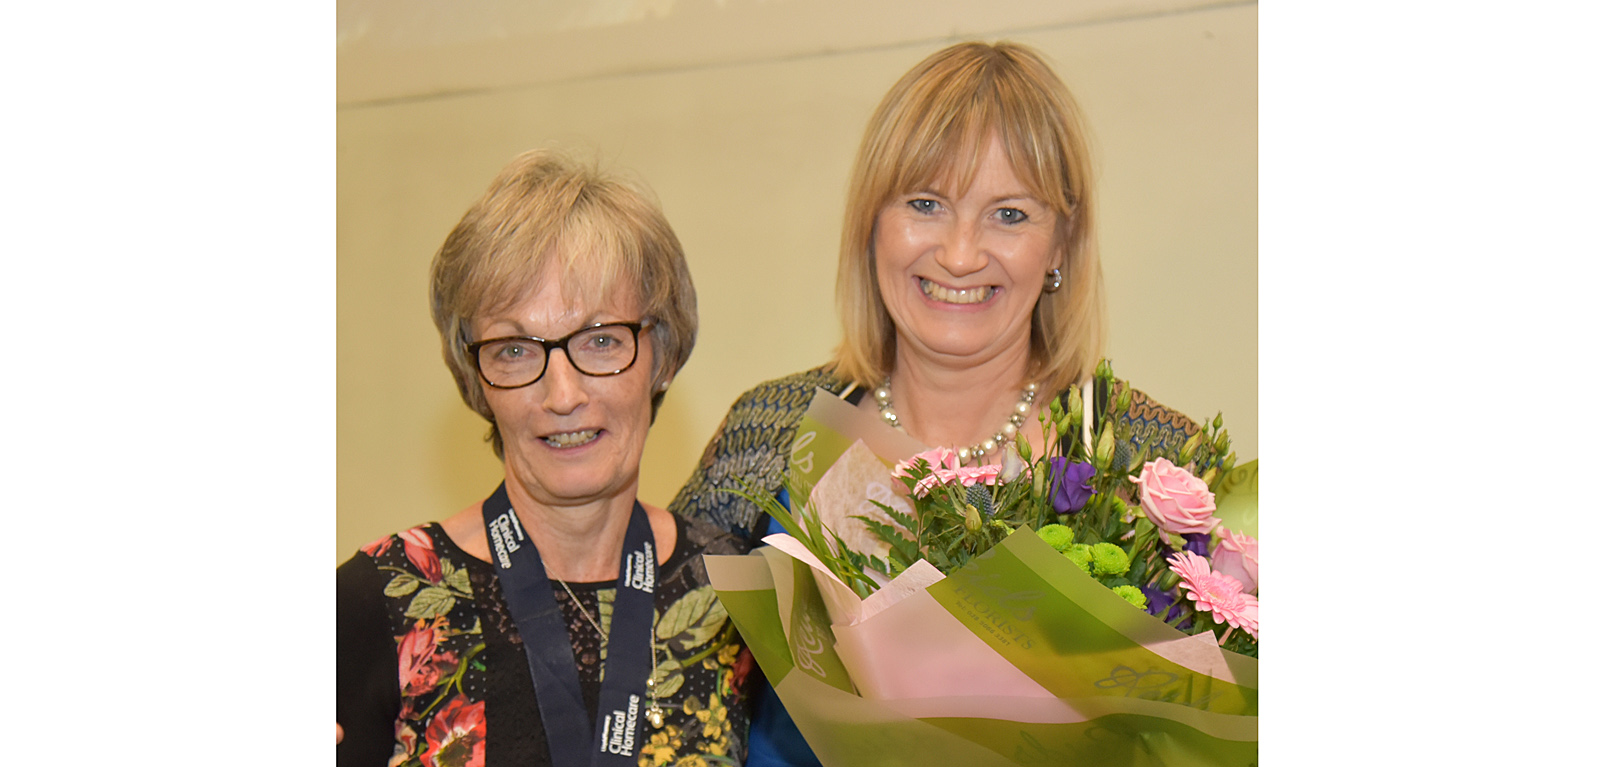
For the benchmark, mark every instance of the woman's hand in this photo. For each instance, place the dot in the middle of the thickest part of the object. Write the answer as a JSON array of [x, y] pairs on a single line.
[[340, 738]]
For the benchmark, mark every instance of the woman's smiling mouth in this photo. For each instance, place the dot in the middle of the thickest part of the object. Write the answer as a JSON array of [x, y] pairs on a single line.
[[571, 438], [946, 295]]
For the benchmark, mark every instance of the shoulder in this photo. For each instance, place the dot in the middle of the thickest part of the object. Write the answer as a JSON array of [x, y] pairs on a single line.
[[1143, 408], [697, 537], [424, 537], [763, 419], [789, 392], [751, 445], [425, 554], [767, 414], [1153, 426]]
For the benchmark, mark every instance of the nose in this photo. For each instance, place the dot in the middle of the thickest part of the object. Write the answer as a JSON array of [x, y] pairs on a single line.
[[962, 251], [563, 385]]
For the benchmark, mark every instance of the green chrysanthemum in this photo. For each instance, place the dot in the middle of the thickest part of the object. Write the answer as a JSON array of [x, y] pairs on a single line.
[[1109, 559], [1132, 594], [1058, 536], [1079, 554]]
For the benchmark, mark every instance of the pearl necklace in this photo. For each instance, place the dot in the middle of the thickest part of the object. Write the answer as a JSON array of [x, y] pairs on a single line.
[[1007, 433]]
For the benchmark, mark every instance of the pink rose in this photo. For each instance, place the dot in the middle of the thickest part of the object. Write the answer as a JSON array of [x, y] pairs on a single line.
[[1237, 555], [1175, 500]]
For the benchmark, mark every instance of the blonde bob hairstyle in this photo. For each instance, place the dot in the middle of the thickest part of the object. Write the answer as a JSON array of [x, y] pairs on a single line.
[[933, 126], [605, 234]]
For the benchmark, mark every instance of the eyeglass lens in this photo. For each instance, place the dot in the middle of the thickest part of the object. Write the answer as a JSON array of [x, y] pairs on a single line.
[[598, 351]]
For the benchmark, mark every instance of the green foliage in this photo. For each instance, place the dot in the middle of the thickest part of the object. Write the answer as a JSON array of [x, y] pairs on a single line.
[[806, 526], [902, 550]]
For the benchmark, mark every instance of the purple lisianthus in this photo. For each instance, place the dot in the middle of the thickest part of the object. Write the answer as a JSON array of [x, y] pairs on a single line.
[[1197, 543], [1070, 485], [1159, 601]]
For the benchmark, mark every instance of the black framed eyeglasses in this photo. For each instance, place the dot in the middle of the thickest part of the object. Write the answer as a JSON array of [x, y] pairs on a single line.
[[603, 349]]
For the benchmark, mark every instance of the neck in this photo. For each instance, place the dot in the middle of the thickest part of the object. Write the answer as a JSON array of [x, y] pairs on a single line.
[[581, 542], [957, 402]]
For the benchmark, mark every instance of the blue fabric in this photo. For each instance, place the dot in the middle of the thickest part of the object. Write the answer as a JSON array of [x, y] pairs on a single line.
[[775, 741]]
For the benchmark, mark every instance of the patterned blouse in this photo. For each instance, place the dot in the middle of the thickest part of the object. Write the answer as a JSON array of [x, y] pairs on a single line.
[[755, 438], [430, 661]]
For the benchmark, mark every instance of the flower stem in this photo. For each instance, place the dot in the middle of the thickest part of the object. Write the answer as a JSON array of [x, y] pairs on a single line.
[[454, 680], [723, 639]]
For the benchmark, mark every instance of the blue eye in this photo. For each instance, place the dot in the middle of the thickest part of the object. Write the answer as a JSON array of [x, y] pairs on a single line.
[[1011, 215], [922, 205]]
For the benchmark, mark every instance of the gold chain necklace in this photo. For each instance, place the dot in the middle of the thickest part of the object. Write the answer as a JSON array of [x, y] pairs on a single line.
[[654, 713]]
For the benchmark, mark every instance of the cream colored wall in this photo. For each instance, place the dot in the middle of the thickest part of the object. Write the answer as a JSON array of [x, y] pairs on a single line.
[[748, 147]]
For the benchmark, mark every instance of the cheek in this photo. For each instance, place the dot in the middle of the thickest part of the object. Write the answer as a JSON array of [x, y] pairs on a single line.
[[894, 243], [631, 404], [503, 404], [1031, 258]]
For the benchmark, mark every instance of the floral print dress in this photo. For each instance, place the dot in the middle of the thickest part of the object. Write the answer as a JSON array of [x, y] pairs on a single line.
[[430, 661]]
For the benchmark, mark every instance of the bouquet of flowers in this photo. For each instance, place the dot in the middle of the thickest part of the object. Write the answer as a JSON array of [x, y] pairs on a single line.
[[1055, 608]]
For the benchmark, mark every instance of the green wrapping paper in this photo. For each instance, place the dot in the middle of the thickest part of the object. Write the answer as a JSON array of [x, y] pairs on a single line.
[[1119, 687]]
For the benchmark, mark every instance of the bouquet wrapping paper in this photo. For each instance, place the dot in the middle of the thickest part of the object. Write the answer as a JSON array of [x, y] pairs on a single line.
[[1012, 660], [1019, 658]]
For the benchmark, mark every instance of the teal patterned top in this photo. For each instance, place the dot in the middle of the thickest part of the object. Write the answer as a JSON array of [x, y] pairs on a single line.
[[753, 442]]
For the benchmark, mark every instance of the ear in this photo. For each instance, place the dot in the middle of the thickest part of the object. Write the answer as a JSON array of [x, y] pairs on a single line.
[[1063, 235]]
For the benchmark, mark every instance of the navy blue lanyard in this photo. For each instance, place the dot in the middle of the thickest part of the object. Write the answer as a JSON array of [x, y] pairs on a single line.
[[618, 738]]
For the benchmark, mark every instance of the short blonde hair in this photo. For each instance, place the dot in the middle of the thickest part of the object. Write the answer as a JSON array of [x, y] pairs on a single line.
[[933, 125], [605, 233]]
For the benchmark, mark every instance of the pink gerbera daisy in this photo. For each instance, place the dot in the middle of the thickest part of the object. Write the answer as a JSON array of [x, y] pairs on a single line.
[[1221, 595], [1249, 617], [939, 478]]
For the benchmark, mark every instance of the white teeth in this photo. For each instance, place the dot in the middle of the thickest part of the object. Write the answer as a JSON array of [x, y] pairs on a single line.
[[967, 296], [571, 438]]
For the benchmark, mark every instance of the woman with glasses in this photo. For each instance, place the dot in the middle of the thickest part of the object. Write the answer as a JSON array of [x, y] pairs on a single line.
[[559, 621]]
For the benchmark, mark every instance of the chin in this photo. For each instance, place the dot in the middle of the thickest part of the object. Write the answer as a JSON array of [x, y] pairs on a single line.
[[965, 343], [574, 485], [578, 491]]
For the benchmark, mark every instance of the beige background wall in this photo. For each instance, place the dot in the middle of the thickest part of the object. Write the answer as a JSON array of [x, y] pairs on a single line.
[[744, 117]]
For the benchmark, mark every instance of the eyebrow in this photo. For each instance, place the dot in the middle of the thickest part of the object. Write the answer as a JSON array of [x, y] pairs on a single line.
[[1022, 196], [592, 318]]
